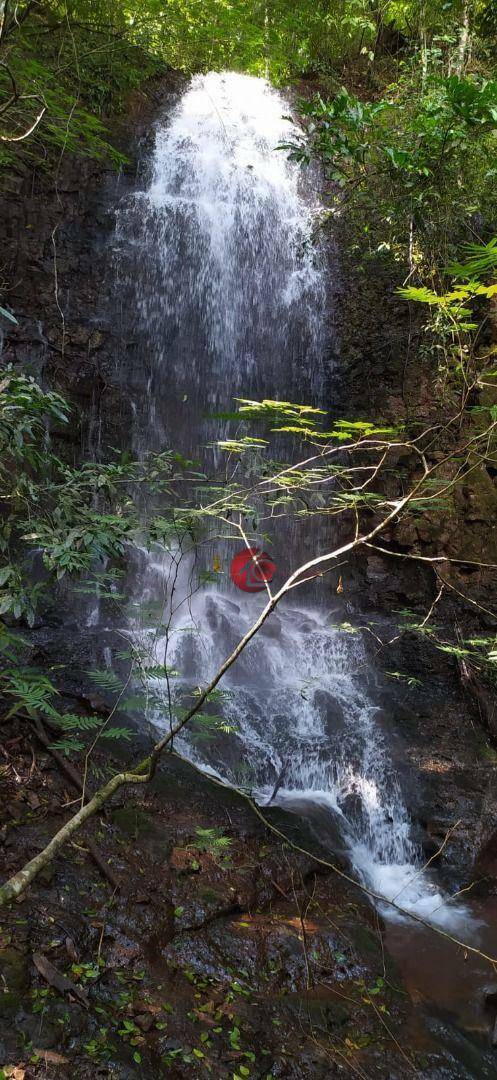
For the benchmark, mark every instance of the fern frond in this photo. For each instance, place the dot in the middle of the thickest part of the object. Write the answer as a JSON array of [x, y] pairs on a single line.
[[106, 680], [73, 722], [67, 746], [116, 733], [211, 839], [161, 671]]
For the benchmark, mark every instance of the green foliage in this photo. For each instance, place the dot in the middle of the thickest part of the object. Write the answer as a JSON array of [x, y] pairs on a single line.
[[410, 680], [480, 259], [70, 518], [76, 516], [67, 64], [204, 727], [32, 691], [79, 60], [35, 695], [72, 63], [106, 680], [284, 417], [455, 323], [411, 163], [206, 839], [212, 840]]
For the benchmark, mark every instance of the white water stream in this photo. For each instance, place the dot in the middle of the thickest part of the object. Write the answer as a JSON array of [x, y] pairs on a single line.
[[230, 299]]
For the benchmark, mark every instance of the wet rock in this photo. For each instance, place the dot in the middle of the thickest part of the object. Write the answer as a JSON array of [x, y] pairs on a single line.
[[486, 858], [430, 846], [493, 1038], [96, 339], [330, 710], [122, 953], [71, 1018], [79, 335], [321, 1012], [437, 830], [144, 1021], [231, 605], [491, 998], [15, 979], [272, 628], [167, 1044], [352, 807], [42, 1031]]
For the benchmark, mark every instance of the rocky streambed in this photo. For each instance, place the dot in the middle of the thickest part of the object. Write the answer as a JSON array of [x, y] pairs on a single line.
[[198, 957]]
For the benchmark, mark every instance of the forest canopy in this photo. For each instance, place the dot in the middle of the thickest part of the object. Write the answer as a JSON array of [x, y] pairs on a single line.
[[398, 100], [97, 49]]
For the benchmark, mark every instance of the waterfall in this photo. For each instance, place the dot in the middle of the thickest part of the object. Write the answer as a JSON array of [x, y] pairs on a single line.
[[218, 264], [225, 290]]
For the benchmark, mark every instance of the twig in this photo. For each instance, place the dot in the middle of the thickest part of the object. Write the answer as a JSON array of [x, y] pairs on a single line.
[[430, 860]]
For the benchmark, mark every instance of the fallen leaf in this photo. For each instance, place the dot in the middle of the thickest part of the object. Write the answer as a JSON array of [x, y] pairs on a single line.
[[51, 1057], [59, 981]]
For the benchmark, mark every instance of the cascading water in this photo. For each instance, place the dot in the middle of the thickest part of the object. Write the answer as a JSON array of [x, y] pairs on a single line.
[[230, 294], [228, 291]]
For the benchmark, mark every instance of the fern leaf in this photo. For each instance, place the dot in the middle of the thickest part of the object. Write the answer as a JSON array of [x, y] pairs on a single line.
[[116, 733], [67, 746], [73, 722], [106, 680]]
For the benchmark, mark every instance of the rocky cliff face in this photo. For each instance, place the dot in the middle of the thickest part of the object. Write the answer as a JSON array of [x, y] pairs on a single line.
[[446, 720], [58, 231], [58, 253]]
